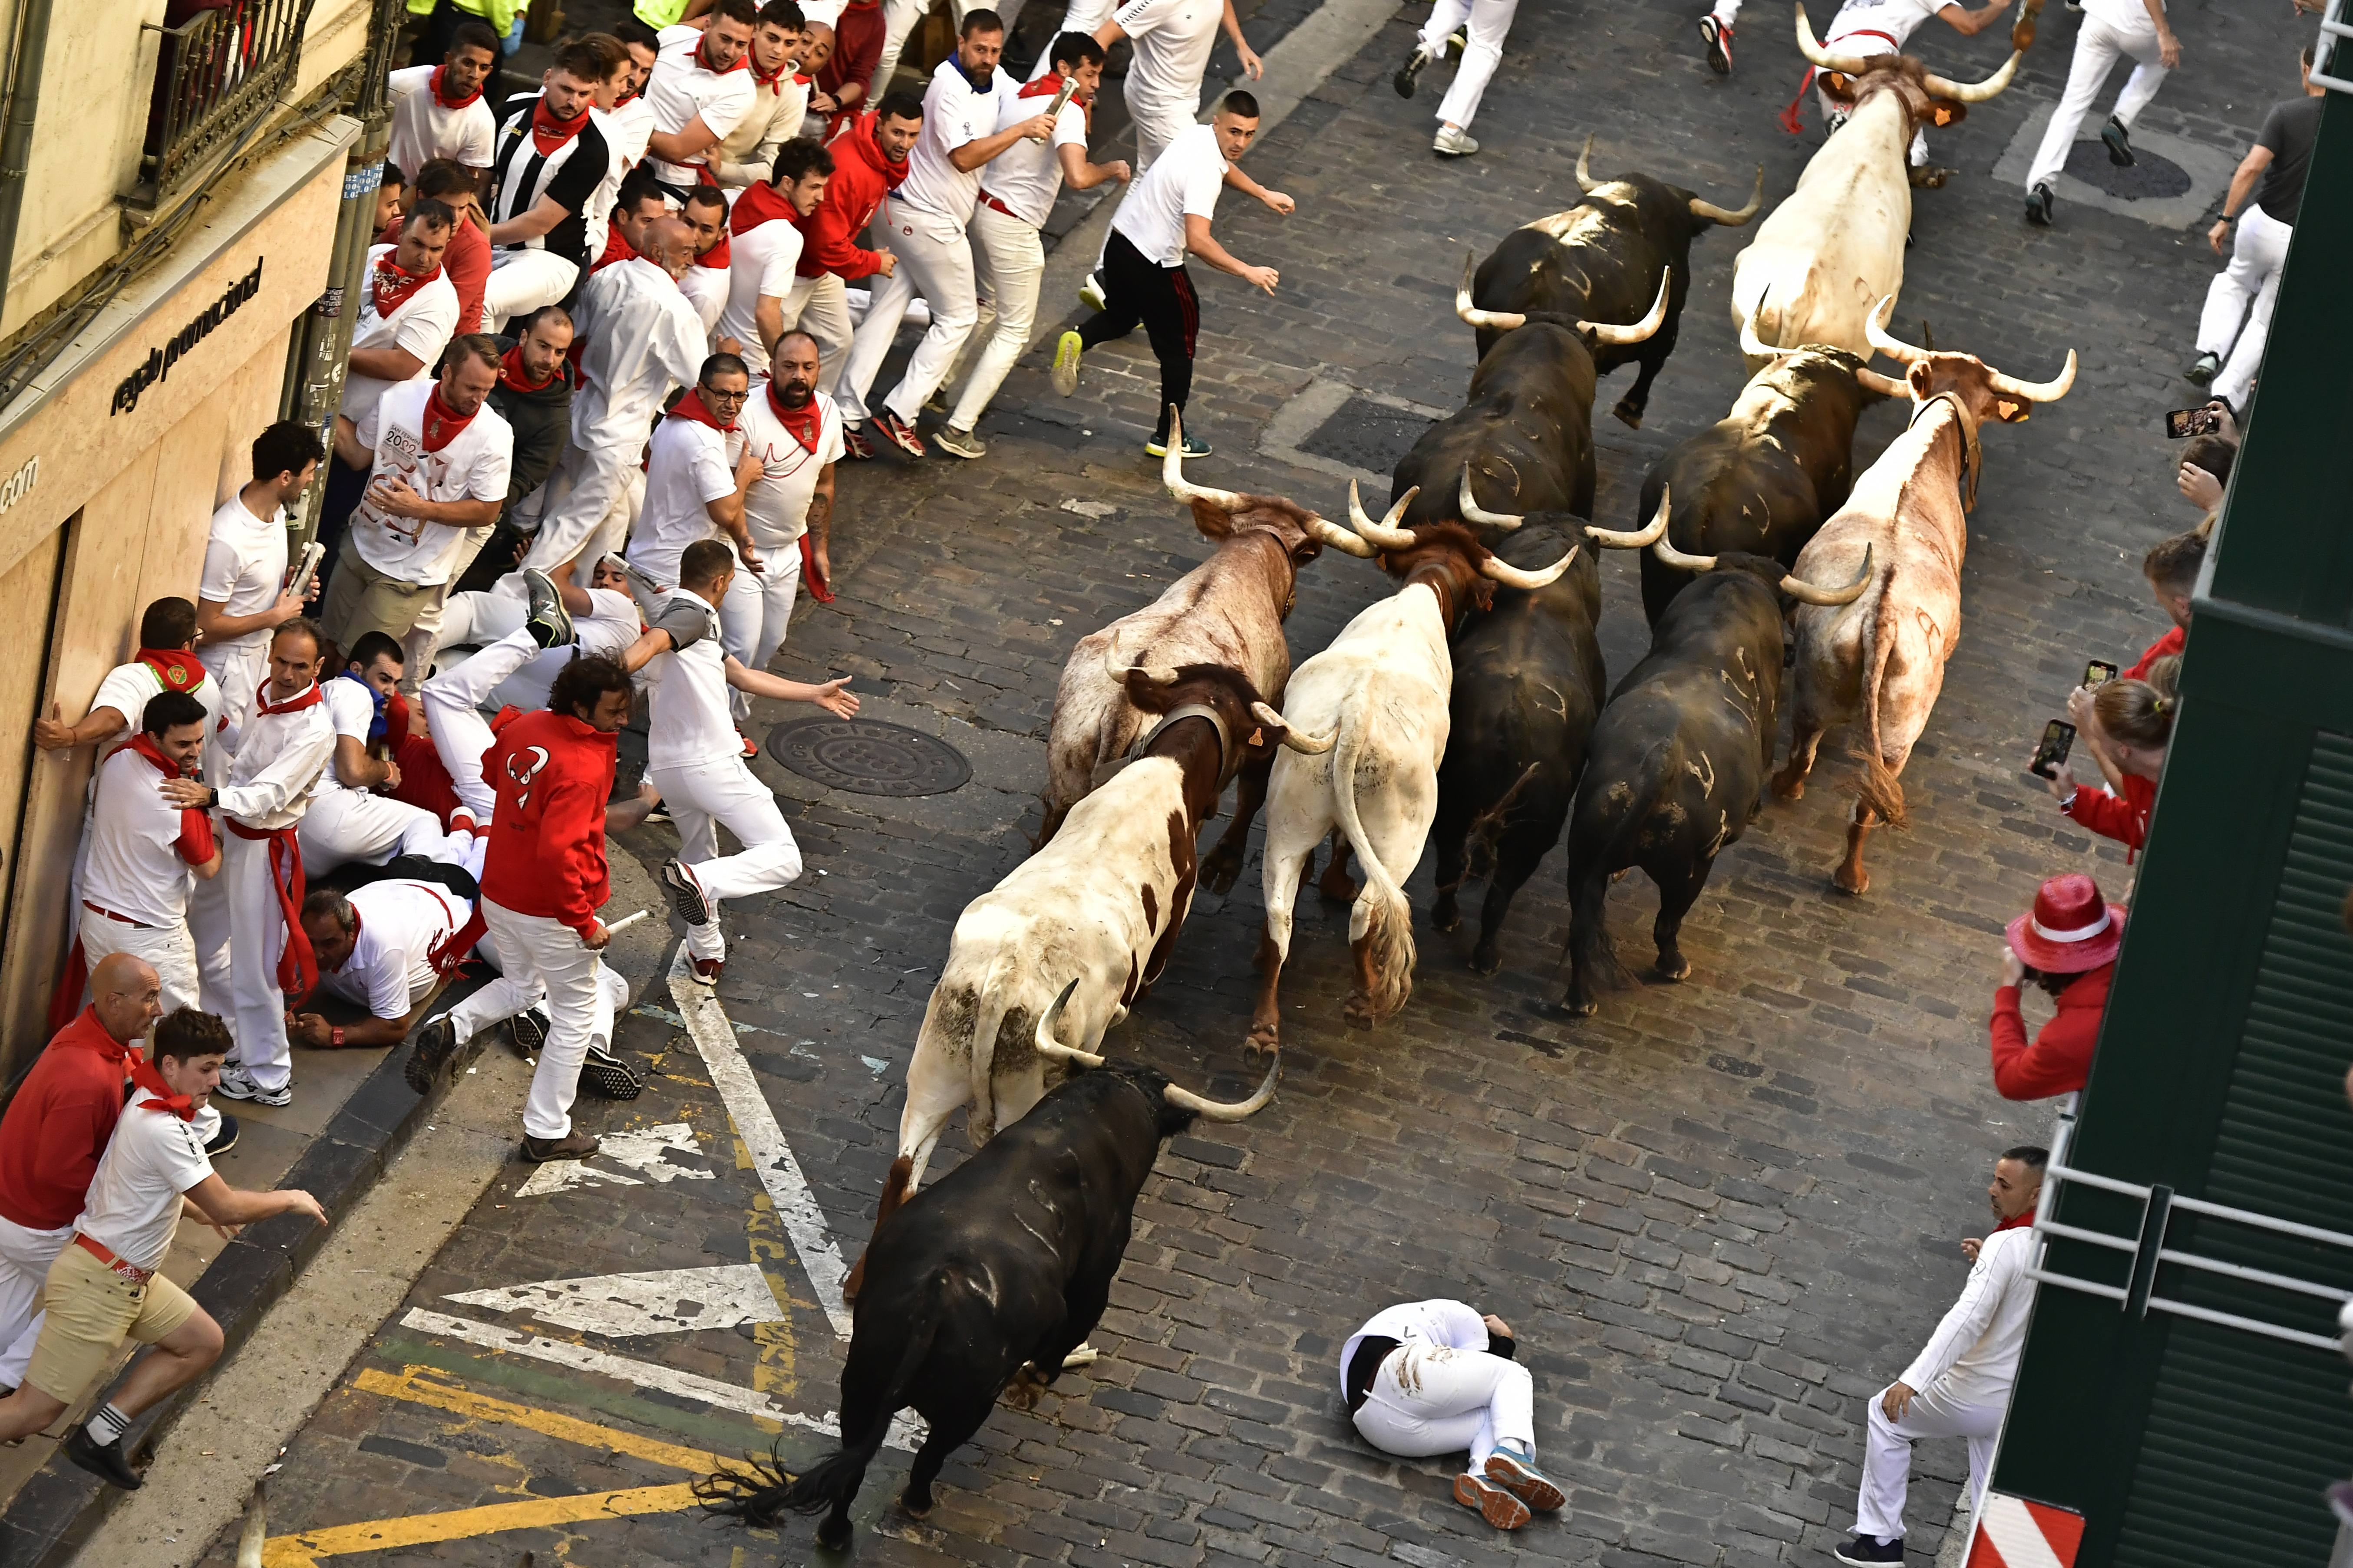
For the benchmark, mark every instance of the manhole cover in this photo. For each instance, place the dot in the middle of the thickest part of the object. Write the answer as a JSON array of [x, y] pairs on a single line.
[[866, 756], [2149, 177], [1366, 435]]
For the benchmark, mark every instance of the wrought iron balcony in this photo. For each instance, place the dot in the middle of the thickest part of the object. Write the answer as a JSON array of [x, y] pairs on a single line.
[[218, 75]]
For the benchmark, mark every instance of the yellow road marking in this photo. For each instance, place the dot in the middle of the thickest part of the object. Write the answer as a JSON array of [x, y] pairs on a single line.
[[304, 1548], [774, 1371], [418, 1390]]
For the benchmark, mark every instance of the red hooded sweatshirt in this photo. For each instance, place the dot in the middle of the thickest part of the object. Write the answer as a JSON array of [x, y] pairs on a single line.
[[547, 851], [861, 178], [2059, 1059]]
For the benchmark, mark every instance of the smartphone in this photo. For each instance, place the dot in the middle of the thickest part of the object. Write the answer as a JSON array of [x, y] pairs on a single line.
[[2183, 422], [2058, 740], [2098, 673], [305, 568]]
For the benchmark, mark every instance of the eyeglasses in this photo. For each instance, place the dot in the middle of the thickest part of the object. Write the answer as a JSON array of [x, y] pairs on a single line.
[[713, 395]]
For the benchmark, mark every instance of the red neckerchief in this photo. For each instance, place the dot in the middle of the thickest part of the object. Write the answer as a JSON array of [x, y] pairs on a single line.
[[2020, 1223], [617, 249], [718, 257], [760, 203], [144, 744], [391, 285], [310, 697], [743, 61], [511, 373], [803, 424], [443, 423], [1046, 87], [144, 1074], [177, 667], [548, 133], [692, 406], [440, 73], [99, 1040], [195, 842], [769, 79]]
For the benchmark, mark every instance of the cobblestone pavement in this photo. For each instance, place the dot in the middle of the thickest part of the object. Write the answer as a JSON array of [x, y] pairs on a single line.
[[1720, 1213]]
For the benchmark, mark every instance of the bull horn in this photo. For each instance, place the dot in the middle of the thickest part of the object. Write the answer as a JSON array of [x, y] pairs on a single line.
[[1385, 534], [1670, 556], [1732, 218], [1172, 472], [1473, 512], [1972, 92], [1874, 329], [256, 1533], [2036, 391], [1585, 182], [1885, 385], [1512, 577], [1297, 740], [1223, 1109], [1501, 321], [1751, 345], [1053, 1050], [1805, 593], [1339, 538], [1640, 332], [1816, 54], [1650, 534], [1154, 674]]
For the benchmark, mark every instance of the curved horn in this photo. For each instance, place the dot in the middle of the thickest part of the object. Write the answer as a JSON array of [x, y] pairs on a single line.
[[1225, 1111], [1154, 674], [256, 1533], [1885, 385], [1972, 92], [1874, 328], [1805, 593], [1172, 472], [1385, 534], [1751, 345], [1512, 577], [2036, 391], [1501, 321], [1473, 512], [1585, 182], [1604, 332], [1339, 538], [1818, 55], [1053, 1050], [1650, 534], [1297, 740], [1732, 218], [1670, 556]]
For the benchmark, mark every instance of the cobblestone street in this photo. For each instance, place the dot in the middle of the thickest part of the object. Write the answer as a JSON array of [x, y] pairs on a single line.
[[1718, 1214]]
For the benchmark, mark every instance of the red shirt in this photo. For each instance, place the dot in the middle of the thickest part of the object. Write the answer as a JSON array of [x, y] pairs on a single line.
[[858, 36], [466, 263], [547, 851], [59, 1123], [861, 178], [2059, 1059], [2171, 642], [2125, 820]]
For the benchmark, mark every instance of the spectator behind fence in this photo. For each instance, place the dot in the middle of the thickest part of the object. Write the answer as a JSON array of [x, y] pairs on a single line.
[[2132, 724], [2067, 944], [2206, 463], [2171, 567]]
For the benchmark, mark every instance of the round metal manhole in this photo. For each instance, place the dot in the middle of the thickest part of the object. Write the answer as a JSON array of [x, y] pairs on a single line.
[[866, 756], [2148, 178]]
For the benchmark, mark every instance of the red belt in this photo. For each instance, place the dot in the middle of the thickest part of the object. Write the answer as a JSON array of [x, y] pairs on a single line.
[[298, 969], [119, 919], [98, 1249], [989, 201]]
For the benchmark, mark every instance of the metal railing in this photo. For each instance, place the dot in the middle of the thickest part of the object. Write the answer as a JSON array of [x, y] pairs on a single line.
[[2336, 26], [215, 75]]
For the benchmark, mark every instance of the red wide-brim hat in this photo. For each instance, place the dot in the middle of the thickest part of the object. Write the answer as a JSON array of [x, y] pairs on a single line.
[[2070, 929]]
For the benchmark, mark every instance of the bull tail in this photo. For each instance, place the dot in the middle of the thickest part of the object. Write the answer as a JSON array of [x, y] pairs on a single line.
[[894, 1193], [1876, 785], [1382, 916], [1490, 826]]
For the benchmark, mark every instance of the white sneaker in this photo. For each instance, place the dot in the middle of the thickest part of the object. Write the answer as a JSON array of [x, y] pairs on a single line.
[[1454, 142], [1091, 294], [236, 1083]]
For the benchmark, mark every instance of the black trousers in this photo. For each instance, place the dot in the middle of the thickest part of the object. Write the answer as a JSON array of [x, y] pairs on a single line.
[[1137, 292]]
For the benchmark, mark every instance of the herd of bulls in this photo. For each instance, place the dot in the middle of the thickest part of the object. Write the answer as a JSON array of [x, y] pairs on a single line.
[[1472, 700]]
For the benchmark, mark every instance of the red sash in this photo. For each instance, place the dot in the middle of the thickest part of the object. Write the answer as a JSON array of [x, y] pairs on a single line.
[[298, 967]]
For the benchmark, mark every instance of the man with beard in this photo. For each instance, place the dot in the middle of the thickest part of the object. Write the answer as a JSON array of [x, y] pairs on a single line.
[[705, 283], [870, 161], [701, 89], [553, 164], [794, 432], [767, 245], [746, 155], [438, 111]]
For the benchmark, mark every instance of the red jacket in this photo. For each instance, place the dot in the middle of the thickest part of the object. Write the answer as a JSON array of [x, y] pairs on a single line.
[[59, 1123], [861, 178], [2171, 642], [858, 36], [2059, 1059], [2125, 820], [467, 263], [547, 851]]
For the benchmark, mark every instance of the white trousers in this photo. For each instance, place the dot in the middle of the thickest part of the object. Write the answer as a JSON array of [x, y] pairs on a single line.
[[1009, 263], [819, 306], [522, 281], [699, 799], [1490, 21], [1888, 1452], [257, 937], [453, 701], [763, 630], [2098, 45], [421, 644], [544, 957], [208, 927], [24, 1259], [169, 949], [1429, 1400], [503, 998], [2246, 290], [240, 675], [1156, 125], [934, 261], [608, 440], [347, 824], [899, 20]]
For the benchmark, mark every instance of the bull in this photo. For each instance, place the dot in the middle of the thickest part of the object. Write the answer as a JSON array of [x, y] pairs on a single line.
[[1835, 247], [983, 1285], [1881, 659], [1381, 691], [1678, 762], [1628, 239]]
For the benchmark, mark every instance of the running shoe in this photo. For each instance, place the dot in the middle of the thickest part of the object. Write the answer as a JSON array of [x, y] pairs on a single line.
[[854, 444], [529, 1031], [898, 433], [2040, 206], [1866, 1551], [958, 443], [1494, 1504], [1091, 294], [607, 1077], [1453, 142], [1458, 39], [104, 1460], [708, 970], [1067, 350], [2120, 143], [550, 624], [685, 893], [236, 1083], [1521, 1478], [2203, 370], [223, 1139], [1410, 72], [1717, 36], [1158, 447], [436, 1042]]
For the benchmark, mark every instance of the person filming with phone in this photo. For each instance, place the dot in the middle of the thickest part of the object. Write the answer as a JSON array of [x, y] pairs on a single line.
[[2067, 944], [2131, 725]]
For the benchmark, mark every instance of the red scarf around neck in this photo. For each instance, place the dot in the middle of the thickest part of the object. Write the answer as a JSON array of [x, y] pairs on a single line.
[[760, 203], [441, 74], [743, 61], [391, 285], [443, 423], [692, 406], [308, 697], [548, 133], [177, 667], [196, 842], [162, 1096], [511, 373], [2020, 1223], [803, 423], [766, 79], [617, 249], [718, 257]]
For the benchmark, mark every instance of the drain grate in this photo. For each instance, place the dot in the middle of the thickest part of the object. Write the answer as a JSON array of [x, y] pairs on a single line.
[[2148, 178], [1366, 435], [867, 756]]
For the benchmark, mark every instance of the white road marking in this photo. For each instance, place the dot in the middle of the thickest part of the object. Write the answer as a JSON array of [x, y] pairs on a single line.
[[621, 1306], [645, 1149]]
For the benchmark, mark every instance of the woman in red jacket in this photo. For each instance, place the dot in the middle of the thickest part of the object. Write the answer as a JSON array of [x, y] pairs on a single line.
[[2067, 944], [2132, 724]]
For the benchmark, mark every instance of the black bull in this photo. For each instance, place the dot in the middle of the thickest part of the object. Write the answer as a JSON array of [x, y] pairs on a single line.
[[1526, 430]]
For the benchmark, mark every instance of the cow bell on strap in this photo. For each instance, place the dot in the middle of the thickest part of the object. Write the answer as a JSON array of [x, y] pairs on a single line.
[[1227, 1111], [1054, 1050]]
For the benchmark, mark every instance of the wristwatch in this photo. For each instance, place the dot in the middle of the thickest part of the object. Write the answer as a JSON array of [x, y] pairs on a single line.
[[336, 1036]]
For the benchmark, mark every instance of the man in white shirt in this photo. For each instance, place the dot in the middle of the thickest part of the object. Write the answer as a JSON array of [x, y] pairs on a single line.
[[243, 594], [167, 632], [926, 218], [792, 432], [746, 155], [385, 947], [1165, 217], [105, 1287], [765, 250], [1163, 87], [1017, 193], [553, 181], [603, 615], [1959, 1386], [693, 757], [631, 116], [696, 473], [701, 87], [348, 820], [705, 281], [144, 855], [2109, 28], [438, 111], [438, 456]]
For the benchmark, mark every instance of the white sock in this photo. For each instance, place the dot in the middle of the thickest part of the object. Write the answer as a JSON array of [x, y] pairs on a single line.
[[107, 1425]]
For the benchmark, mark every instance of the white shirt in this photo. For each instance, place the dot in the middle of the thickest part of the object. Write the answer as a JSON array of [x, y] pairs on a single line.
[[1972, 1358], [609, 628], [644, 338], [423, 325], [401, 922], [1028, 175], [2124, 16], [692, 724], [423, 129], [1083, 16], [134, 867], [1450, 1324], [690, 465], [279, 757], [776, 506], [705, 288], [245, 570], [760, 266], [471, 465], [1895, 18], [1184, 180], [1173, 39], [682, 90], [133, 1205], [628, 128], [128, 688], [953, 115], [351, 710]]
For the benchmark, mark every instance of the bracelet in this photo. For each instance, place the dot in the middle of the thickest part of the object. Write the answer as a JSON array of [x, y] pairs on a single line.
[[336, 1036]]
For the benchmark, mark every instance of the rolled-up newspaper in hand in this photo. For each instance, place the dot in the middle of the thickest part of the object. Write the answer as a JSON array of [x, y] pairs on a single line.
[[625, 923]]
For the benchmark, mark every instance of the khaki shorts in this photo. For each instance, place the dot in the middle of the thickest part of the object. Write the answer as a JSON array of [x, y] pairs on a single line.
[[91, 1311], [361, 599]]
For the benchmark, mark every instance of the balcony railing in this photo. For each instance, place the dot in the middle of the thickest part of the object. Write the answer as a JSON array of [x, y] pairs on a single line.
[[216, 75]]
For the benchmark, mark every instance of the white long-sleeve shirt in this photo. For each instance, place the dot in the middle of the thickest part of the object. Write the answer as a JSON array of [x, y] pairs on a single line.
[[643, 338], [280, 758], [1455, 1325], [1972, 1358]]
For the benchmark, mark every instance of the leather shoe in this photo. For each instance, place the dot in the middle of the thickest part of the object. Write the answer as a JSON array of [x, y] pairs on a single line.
[[573, 1145], [103, 1460]]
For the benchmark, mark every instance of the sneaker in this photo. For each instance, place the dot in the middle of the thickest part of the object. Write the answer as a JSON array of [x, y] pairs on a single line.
[[223, 1139], [1927, 177], [2039, 206], [2120, 143], [854, 444], [958, 443], [898, 433], [1868, 1550], [236, 1083], [607, 1076], [550, 624], [1091, 295], [1496, 1506], [1717, 36], [2203, 370], [937, 403], [1067, 350], [1459, 40], [1158, 447], [708, 970], [660, 813], [573, 1145], [751, 747], [685, 893], [1521, 1478], [1410, 72], [436, 1042], [104, 1460], [529, 1031], [1454, 142]]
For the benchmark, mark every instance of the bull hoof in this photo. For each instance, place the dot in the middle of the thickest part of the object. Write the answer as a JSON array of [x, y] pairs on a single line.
[[1629, 414], [1264, 1037], [914, 1506], [831, 1534], [1577, 1004], [1028, 1383], [1486, 959], [1445, 914], [1787, 788], [1673, 968], [1358, 1012], [1219, 871], [1853, 880]]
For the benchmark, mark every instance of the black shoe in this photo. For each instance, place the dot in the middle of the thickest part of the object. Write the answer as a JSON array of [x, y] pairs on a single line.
[[1869, 1552], [2203, 370], [607, 1076], [2039, 206], [573, 1145], [220, 1143], [529, 1031], [550, 623], [2120, 143], [436, 1042], [103, 1460], [1410, 73]]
